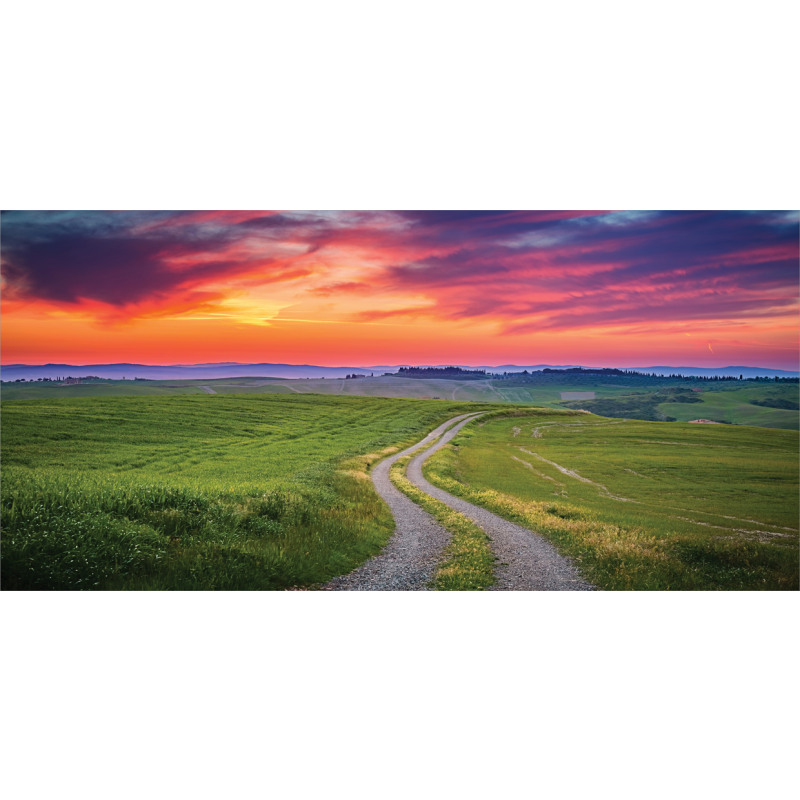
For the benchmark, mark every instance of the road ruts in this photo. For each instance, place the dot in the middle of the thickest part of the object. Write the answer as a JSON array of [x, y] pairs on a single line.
[[526, 561], [409, 560]]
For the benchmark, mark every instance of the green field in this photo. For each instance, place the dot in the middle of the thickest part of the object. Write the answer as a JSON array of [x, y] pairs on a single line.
[[361, 387], [262, 485], [633, 398], [640, 505], [198, 492], [737, 407], [50, 390], [762, 404]]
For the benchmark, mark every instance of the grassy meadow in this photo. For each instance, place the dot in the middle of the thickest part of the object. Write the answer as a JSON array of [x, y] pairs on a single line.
[[256, 484], [261, 491], [763, 403], [50, 390], [639, 505]]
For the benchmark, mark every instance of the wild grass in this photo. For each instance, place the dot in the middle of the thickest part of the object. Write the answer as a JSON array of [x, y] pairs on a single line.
[[197, 492], [642, 505]]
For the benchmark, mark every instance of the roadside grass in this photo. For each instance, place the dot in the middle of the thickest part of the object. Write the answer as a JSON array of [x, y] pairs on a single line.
[[468, 561], [197, 492], [646, 505]]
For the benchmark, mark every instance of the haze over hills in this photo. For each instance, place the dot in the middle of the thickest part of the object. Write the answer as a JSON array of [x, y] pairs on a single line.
[[232, 369]]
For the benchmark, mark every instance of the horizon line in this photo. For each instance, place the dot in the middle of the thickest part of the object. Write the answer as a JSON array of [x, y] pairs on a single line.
[[605, 365]]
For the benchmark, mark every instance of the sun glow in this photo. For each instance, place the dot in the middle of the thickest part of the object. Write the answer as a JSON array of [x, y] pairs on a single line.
[[427, 287]]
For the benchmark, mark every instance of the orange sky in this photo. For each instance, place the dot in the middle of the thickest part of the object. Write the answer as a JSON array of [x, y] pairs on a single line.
[[360, 288]]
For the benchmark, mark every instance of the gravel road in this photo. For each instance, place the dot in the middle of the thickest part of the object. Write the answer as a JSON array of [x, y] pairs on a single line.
[[409, 559], [527, 561]]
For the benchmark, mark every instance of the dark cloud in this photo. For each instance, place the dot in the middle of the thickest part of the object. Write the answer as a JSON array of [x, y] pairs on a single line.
[[68, 268], [466, 229], [453, 268], [646, 311], [94, 258], [465, 263], [270, 221]]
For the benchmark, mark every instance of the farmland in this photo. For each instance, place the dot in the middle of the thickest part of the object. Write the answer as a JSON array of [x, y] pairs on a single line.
[[263, 491], [268, 489], [762, 403], [639, 505]]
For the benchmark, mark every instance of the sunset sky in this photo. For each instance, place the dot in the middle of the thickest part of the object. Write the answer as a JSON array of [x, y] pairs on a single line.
[[597, 288]]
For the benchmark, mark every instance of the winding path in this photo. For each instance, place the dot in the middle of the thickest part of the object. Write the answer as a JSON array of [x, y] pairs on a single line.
[[527, 561], [409, 560]]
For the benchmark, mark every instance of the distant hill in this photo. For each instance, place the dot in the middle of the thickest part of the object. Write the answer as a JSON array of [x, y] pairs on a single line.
[[722, 372], [174, 371], [232, 369]]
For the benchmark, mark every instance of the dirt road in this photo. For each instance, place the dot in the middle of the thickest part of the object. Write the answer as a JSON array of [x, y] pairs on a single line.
[[409, 560], [526, 561]]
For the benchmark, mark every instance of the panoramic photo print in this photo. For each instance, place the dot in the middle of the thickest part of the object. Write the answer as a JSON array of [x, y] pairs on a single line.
[[400, 400]]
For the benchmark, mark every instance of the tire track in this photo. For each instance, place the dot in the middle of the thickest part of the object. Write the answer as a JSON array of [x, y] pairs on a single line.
[[409, 560], [527, 560]]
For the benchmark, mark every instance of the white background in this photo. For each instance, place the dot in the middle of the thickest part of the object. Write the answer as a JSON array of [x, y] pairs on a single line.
[[354, 105]]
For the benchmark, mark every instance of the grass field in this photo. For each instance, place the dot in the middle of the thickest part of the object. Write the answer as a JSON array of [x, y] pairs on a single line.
[[722, 401], [198, 492], [640, 505], [48, 390], [736, 406]]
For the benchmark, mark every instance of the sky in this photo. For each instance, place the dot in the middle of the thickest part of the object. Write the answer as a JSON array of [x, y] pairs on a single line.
[[341, 288]]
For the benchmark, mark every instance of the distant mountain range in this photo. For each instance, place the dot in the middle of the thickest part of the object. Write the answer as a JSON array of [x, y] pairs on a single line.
[[233, 369]]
